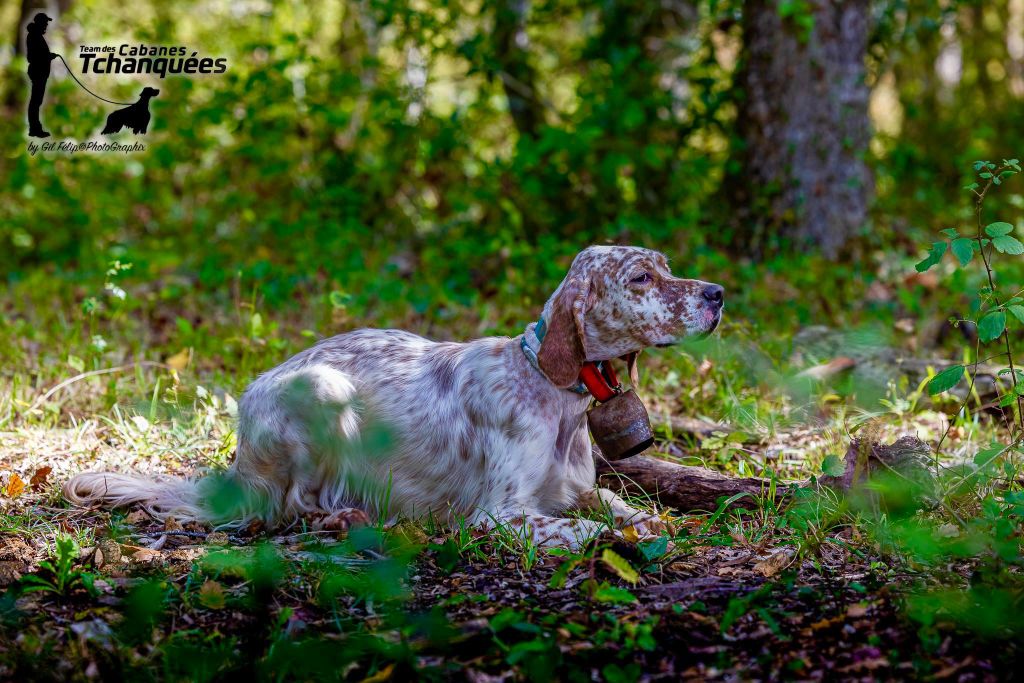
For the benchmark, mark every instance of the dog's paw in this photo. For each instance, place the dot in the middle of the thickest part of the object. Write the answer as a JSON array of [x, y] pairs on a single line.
[[341, 520], [646, 525]]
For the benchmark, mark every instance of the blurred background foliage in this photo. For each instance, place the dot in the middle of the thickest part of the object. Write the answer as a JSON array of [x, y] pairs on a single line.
[[420, 159], [436, 165]]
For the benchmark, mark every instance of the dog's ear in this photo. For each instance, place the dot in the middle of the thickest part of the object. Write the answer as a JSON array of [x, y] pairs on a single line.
[[631, 367], [562, 352]]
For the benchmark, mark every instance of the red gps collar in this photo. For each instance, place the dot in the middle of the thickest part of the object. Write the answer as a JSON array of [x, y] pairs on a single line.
[[600, 380]]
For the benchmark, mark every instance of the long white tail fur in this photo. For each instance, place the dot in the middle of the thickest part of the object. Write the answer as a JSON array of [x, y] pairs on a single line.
[[162, 497], [297, 438]]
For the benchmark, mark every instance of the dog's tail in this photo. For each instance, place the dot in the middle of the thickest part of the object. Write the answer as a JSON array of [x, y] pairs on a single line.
[[162, 497], [111, 127], [217, 499]]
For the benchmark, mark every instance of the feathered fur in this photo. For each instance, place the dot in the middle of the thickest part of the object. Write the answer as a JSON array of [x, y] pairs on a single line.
[[393, 423]]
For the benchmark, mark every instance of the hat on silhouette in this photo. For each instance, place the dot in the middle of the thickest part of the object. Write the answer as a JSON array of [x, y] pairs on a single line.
[[40, 19]]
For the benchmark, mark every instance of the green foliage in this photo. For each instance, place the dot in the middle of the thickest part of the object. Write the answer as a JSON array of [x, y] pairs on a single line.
[[59, 575], [317, 176], [991, 309], [833, 465], [990, 536], [619, 565], [945, 380]]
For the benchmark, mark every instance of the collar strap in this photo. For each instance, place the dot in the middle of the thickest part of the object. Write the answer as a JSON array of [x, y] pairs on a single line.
[[595, 378]]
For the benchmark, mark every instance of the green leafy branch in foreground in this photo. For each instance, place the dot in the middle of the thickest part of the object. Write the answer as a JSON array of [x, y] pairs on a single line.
[[990, 309]]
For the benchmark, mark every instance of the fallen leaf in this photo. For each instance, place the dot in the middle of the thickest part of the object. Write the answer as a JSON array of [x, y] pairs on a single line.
[[180, 360], [774, 563], [129, 548], [856, 610], [217, 538], [211, 595], [147, 556], [731, 571], [108, 552], [15, 485], [629, 533], [38, 480], [136, 517], [382, 675], [10, 571], [825, 623]]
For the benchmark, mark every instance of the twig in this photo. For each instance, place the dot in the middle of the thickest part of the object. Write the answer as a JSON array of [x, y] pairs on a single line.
[[979, 207]]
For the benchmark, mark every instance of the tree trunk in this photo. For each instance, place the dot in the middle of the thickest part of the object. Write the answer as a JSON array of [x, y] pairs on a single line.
[[803, 130], [517, 76]]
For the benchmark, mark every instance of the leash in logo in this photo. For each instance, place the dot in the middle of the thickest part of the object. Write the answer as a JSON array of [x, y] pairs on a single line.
[[82, 85]]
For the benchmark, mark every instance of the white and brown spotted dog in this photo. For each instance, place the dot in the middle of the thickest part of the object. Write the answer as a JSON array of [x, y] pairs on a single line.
[[491, 429]]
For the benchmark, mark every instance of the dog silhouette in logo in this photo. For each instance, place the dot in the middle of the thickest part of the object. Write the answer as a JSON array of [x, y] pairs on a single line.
[[134, 116]]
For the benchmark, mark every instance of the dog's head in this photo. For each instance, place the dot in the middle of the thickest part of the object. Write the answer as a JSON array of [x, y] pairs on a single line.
[[149, 93], [617, 301]]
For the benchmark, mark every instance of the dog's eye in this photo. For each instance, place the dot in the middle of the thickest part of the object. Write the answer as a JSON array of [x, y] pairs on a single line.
[[641, 278]]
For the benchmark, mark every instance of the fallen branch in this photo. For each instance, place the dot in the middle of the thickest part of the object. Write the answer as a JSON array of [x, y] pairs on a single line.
[[676, 426], [689, 488]]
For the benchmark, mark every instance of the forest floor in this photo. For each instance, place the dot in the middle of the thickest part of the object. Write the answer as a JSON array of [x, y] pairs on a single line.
[[737, 595], [820, 589]]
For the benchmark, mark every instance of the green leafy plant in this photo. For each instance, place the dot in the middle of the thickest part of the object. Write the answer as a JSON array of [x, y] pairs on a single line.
[[60, 575], [992, 306]]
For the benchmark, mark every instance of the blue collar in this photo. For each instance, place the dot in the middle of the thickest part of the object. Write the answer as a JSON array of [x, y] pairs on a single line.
[[538, 332]]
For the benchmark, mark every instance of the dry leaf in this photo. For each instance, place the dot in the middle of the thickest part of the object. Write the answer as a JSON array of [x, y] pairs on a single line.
[[382, 675], [38, 480], [10, 571], [217, 538], [108, 552], [630, 534], [732, 571], [856, 611], [211, 595], [775, 563], [15, 485], [147, 556], [180, 360], [136, 517]]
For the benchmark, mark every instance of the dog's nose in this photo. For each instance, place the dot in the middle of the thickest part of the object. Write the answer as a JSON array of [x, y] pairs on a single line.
[[714, 294]]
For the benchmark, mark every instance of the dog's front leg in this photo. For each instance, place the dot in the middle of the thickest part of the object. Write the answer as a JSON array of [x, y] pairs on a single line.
[[607, 503], [543, 530]]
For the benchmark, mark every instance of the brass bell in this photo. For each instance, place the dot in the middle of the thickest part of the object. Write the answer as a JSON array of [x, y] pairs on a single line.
[[620, 426]]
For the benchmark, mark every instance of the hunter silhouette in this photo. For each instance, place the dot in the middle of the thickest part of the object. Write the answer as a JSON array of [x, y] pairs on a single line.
[[39, 57]]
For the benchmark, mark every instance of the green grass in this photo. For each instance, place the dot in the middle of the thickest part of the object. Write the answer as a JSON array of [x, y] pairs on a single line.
[[174, 413]]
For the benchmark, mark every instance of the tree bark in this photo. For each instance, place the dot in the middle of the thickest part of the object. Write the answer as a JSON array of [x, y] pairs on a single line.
[[803, 129], [692, 489], [516, 74]]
